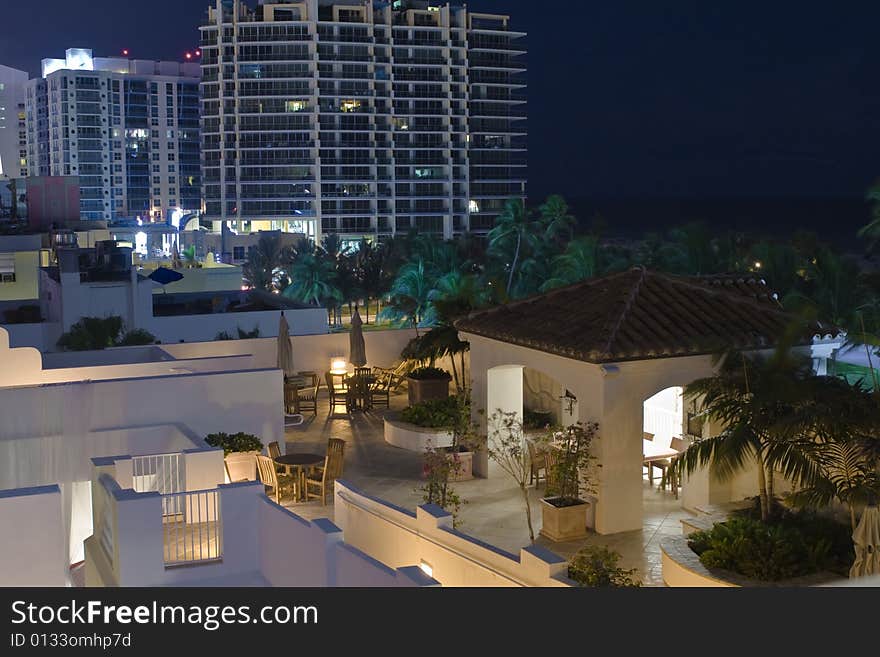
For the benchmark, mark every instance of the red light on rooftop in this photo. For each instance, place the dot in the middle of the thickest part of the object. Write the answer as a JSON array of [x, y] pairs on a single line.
[[198, 53], [125, 52], [189, 55]]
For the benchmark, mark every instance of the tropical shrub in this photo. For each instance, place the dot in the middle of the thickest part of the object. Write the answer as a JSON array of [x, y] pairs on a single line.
[[92, 333], [792, 545], [596, 566], [433, 414], [429, 373], [136, 337], [236, 442]]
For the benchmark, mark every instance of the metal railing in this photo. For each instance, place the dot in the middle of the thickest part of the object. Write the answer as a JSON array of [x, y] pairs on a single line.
[[160, 473], [195, 533]]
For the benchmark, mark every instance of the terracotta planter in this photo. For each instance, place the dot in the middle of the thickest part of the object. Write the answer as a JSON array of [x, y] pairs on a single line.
[[466, 471], [566, 523], [242, 465], [421, 390]]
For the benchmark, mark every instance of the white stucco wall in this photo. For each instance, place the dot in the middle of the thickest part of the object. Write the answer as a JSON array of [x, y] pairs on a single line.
[[202, 328], [33, 547], [397, 538], [310, 352], [263, 544]]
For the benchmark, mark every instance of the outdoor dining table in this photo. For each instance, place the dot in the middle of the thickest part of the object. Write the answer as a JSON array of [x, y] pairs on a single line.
[[652, 452], [299, 461]]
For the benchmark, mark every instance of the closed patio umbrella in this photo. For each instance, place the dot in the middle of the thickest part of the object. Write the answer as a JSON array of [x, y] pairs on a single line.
[[285, 351], [357, 348], [866, 538]]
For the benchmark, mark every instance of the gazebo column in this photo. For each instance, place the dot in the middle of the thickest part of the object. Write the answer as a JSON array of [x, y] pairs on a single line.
[[619, 449]]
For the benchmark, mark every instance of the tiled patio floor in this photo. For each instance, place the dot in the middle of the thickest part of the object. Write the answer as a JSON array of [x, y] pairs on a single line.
[[494, 510]]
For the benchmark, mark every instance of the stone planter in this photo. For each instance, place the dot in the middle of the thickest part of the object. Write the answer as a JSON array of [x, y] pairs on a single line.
[[242, 465], [566, 523], [410, 437], [466, 471], [421, 390]]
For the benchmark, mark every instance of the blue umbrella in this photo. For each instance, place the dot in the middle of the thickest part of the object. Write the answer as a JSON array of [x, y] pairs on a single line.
[[163, 276]]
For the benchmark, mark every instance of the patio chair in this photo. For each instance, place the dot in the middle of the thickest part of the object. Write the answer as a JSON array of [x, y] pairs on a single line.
[[661, 464], [273, 449], [308, 396], [679, 445], [363, 371], [338, 394], [271, 479], [550, 460], [537, 462], [291, 398], [312, 375], [380, 391], [331, 471]]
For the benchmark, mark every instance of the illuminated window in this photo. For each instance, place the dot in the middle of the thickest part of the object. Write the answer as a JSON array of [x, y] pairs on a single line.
[[350, 105], [293, 106], [473, 206]]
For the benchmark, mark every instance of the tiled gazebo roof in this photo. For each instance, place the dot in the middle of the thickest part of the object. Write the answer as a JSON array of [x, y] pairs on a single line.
[[640, 314]]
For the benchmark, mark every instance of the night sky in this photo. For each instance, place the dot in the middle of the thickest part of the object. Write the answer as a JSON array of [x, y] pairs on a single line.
[[627, 99]]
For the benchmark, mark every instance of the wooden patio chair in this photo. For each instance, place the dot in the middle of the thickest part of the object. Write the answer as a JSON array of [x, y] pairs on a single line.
[[308, 396], [331, 471], [661, 465], [537, 463], [271, 479], [380, 391], [291, 399], [550, 460], [273, 449], [679, 445], [338, 394]]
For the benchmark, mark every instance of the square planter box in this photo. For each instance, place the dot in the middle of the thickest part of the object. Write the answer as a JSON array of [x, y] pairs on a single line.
[[567, 523], [420, 390], [242, 465], [466, 471]]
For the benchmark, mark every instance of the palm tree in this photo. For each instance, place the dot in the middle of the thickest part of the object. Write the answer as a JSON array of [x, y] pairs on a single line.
[[514, 231], [263, 266], [558, 223], [314, 280], [409, 300], [579, 262], [871, 231], [754, 399]]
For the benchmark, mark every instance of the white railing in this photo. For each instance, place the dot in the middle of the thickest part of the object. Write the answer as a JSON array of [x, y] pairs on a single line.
[[160, 473], [194, 532]]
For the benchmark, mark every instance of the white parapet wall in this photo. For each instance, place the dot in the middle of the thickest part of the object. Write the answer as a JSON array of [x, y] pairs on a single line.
[[257, 543], [33, 548], [426, 538]]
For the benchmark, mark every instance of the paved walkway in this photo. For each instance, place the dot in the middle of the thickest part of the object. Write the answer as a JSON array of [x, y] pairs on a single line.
[[494, 511]]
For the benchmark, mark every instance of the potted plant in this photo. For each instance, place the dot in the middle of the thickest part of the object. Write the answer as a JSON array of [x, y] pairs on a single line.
[[507, 447], [570, 463], [597, 566], [427, 383], [239, 450]]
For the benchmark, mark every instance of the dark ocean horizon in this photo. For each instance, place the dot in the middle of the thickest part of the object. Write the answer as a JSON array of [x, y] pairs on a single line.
[[834, 220]]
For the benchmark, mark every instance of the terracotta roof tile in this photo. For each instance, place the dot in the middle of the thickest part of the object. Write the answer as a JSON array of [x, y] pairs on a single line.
[[639, 314]]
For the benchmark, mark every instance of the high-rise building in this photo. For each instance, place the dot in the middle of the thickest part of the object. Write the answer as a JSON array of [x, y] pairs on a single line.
[[13, 135], [360, 118], [128, 128]]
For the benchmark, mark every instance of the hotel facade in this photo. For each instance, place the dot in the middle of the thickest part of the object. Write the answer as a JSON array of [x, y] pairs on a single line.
[[360, 118], [128, 128]]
